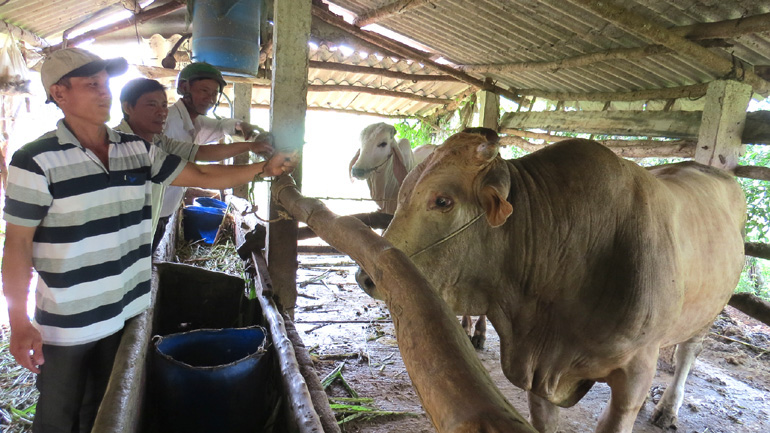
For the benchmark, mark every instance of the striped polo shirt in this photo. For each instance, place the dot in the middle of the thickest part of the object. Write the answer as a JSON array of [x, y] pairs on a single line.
[[91, 249]]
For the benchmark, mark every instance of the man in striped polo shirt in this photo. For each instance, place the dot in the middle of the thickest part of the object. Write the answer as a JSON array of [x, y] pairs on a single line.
[[78, 211]]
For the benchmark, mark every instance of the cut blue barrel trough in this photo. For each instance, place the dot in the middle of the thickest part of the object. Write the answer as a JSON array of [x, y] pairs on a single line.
[[212, 380]]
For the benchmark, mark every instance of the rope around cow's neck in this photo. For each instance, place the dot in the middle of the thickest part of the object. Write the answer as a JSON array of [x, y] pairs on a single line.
[[374, 169], [449, 236]]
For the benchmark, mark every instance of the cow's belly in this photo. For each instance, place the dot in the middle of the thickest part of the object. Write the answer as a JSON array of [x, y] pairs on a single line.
[[560, 367]]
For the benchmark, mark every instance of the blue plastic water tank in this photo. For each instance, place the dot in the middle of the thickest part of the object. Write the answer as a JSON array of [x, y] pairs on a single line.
[[226, 35]]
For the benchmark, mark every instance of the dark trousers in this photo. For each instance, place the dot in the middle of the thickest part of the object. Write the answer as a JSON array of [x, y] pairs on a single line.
[[72, 382]]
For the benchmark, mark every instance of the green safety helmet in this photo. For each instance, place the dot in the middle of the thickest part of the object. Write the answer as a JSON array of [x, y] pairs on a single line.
[[200, 70]]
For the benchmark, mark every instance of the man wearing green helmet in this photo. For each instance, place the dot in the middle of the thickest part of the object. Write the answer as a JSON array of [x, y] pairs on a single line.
[[199, 86]]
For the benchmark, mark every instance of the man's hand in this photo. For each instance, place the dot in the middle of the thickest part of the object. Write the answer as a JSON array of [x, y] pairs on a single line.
[[280, 163], [247, 130], [263, 144], [26, 345]]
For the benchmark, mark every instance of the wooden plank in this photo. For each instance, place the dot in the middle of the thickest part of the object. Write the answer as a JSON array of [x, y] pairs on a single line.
[[288, 103], [681, 124], [722, 124]]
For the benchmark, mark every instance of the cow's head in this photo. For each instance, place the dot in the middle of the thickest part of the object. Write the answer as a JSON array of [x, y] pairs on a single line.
[[448, 201], [377, 144]]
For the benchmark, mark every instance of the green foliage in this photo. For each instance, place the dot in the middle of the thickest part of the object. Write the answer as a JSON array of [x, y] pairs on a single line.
[[747, 284], [757, 195], [416, 131]]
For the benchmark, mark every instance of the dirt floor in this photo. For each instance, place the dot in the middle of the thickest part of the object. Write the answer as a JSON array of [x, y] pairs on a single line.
[[728, 391]]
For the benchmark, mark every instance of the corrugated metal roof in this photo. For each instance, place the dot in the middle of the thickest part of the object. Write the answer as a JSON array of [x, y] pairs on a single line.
[[515, 43], [50, 18], [496, 32]]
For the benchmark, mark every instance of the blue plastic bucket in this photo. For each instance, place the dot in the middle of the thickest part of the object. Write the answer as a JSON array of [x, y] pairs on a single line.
[[202, 222], [226, 35], [211, 380]]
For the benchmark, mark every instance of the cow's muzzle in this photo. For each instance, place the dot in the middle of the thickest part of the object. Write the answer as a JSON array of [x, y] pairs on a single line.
[[365, 282], [360, 173]]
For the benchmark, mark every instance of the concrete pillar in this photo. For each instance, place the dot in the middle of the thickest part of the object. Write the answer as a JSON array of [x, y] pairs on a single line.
[[287, 122], [242, 110]]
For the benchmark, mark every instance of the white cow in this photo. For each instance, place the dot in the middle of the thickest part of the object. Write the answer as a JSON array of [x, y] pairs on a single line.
[[384, 162]]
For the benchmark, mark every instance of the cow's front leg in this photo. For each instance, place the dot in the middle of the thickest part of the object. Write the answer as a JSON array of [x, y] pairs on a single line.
[[665, 414], [543, 414], [629, 386]]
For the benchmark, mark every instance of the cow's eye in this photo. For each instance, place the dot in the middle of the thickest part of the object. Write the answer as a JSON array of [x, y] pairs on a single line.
[[442, 203], [383, 144]]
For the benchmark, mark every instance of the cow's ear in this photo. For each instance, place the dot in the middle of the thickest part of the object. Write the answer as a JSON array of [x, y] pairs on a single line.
[[486, 152], [493, 194]]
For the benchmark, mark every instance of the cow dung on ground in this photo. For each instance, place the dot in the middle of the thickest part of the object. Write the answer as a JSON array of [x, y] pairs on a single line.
[[728, 391]]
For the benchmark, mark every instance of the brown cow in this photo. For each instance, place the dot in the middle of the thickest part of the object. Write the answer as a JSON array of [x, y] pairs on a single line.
[[585, 263]]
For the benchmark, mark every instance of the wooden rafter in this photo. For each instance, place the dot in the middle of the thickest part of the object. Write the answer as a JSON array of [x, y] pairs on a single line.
[[390, 9], [693, 92], [671, 124], [648, 29], [725, 29], [408, 52], [369, 91], [624, 148], [339, 110], [356, 69], [141, 17], [24, 35]]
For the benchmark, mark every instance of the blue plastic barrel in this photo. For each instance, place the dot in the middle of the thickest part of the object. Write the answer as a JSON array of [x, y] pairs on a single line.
[[226, 35], [211, 380]]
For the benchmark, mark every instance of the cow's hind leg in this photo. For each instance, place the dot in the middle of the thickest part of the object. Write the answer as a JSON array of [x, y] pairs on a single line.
[[543, 414], [665, 414], [480, 333], [630, 386]]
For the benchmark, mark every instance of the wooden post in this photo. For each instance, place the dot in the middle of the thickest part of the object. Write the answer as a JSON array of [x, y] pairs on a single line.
[[489, 109], [242, 111], [722, 122], [287, 122]]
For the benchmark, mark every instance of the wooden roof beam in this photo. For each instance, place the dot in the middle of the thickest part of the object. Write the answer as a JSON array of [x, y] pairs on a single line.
[[721, 29], [356, 69], [398, 7], [409, 53], [139, 18], [650, 30], [671, 124], [725, 29], [24, 35], [694, 91]]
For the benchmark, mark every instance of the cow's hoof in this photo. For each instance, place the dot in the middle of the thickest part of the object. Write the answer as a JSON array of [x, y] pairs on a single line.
[[478, 342], [664, 419]]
